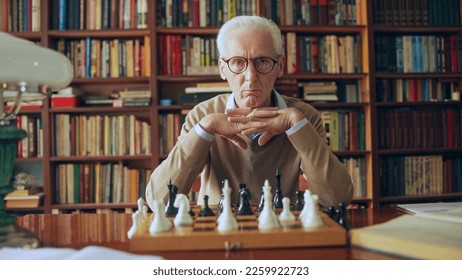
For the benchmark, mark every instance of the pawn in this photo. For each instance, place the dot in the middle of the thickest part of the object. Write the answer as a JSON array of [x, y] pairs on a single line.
[[286, 217], [206, 211], [342, 220], [183, 218], [306, 206], [160, 223], [298, 206], [312, 219]]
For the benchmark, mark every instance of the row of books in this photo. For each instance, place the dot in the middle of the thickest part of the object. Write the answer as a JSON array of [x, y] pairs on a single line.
[[323, 54], [201, 13], [104, 58], [357, 169], [419, 175], [315, 12], [187, 55], [98, 14], [344, 129], [20, 15], [343, 91], [100, 135], [32, 145], [416, 12], [414, 90], [169, 130], [99, 183], [423, 128], [419, 53]]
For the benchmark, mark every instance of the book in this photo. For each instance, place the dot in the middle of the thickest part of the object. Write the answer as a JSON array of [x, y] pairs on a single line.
[[417, 208], [415, 236], [29, 201], [24, 192]]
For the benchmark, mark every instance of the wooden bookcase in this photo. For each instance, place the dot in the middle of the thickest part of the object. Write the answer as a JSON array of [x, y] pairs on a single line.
[[168, 86], [417, 120]]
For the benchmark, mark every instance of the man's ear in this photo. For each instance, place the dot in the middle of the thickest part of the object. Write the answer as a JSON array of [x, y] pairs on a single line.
[[281, 64], [221, 66]]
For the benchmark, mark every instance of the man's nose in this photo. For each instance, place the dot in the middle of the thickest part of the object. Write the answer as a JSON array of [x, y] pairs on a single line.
[[251, 72]]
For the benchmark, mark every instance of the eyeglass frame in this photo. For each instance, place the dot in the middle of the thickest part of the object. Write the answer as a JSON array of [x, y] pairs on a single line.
[[253, 61]]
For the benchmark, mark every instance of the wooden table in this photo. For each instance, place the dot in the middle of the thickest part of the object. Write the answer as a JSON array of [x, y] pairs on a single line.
[[110, 230]]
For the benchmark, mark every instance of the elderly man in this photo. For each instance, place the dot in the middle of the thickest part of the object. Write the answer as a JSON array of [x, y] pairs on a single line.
[[245, 136]]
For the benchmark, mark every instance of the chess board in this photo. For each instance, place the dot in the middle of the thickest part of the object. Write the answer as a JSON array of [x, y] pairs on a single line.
[[203, 235]]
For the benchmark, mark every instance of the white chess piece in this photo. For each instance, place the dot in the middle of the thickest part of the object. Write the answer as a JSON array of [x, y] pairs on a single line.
[[267, 219], [286, 217], [227, 221], [160, 223], [313, 220], [182, 218], [138, 218], [306, 206]]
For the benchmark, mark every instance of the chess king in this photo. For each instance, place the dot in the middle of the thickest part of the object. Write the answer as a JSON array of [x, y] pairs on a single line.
[[247, 135]]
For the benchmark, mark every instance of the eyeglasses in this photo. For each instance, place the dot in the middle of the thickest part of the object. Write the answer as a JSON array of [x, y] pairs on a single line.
[[238, 64]]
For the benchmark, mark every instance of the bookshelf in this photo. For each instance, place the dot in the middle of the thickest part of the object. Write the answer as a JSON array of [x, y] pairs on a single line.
[[417, 69], [166, 76]]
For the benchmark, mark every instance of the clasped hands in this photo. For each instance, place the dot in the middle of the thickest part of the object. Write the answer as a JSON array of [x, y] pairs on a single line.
[[268, 122]]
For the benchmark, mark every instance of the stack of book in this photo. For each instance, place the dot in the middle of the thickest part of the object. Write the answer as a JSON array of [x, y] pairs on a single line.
[[202, 92], [24, 198], [133, 98], [66, 98], [319, 91]]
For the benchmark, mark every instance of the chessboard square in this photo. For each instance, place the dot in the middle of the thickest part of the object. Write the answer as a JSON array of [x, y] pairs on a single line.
[[204, 226], [246, 218], [211, 219]]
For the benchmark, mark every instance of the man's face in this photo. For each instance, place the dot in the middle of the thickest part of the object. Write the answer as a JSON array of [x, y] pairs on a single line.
[[251, 88]]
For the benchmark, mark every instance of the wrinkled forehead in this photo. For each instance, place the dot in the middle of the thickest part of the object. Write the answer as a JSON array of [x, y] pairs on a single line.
[[249, 43]]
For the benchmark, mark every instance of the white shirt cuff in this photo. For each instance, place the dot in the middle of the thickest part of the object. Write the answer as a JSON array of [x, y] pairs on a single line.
[[204, 134], [296, 127]]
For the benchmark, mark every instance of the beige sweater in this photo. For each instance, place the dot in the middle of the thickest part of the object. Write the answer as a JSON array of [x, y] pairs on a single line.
[[304, 151]]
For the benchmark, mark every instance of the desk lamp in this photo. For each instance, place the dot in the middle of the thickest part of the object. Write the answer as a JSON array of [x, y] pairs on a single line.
[[27, 72]]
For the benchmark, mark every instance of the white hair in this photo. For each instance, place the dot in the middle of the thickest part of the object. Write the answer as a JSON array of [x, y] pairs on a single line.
[[250, 22]]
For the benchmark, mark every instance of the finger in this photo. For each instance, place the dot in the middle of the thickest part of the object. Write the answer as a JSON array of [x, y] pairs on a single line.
[[239, 119], [264, 138], [266, 109], [264, 114], [238, 141], [238, 111]]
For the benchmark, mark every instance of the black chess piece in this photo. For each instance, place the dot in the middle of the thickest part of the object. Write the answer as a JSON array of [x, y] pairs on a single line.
[[220, 203], [171, 210], [206, 211], [277, 200], [244, 207], [342, 219], [262, 201], [333, 213], [241, 186], [298, 206]]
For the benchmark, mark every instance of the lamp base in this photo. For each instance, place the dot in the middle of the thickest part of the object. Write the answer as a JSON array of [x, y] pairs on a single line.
[[16, 237]]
